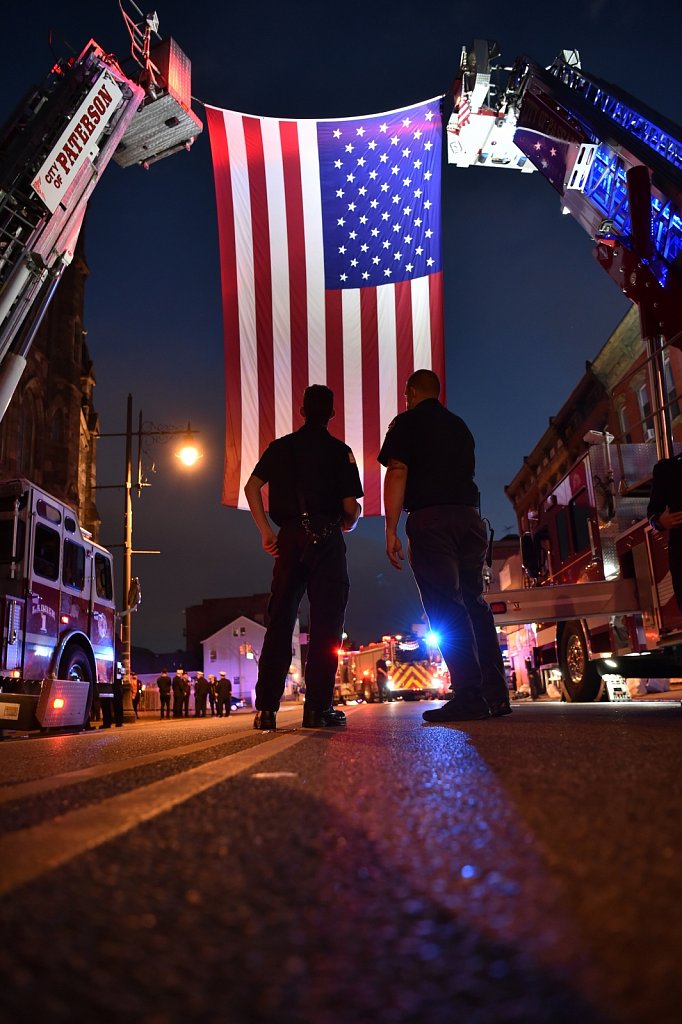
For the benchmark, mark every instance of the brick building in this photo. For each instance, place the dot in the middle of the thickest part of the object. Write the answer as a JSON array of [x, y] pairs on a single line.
[[614, 395]]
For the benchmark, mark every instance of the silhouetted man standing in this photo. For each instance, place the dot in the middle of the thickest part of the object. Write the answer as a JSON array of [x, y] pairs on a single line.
[[314, 486], [429, 455], [164, 685]]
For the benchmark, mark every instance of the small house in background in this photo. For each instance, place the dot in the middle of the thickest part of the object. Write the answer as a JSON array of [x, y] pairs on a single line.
[[235, 650]]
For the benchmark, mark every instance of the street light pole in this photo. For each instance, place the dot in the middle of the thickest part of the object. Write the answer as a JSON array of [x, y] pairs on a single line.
[[188, 457], [127, 561]]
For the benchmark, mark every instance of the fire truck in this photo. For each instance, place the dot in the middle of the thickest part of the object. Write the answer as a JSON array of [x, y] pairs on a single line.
[[56, 590], [57, 612], [414, 665], [597, 604]]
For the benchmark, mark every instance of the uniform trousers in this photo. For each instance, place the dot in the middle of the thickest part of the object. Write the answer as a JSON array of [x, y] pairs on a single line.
[[446, 549], [320, 570]]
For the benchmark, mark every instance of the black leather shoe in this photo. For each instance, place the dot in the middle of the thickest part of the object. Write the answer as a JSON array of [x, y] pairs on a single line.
[[498, 708], [265, 720], [459, 709], [329, 719]]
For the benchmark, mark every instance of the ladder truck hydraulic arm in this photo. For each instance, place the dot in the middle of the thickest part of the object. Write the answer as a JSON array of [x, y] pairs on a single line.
[[616, 164], [53, 153]]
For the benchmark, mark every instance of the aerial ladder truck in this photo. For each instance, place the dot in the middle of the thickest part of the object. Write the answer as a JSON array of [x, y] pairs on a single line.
[[57, 615], [598, 593]]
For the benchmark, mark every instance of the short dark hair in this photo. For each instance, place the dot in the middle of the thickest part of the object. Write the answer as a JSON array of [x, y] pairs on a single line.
[[425, 382], [318, 403]]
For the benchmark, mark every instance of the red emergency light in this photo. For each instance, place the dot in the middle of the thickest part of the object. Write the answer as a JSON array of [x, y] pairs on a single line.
[[498, 607]]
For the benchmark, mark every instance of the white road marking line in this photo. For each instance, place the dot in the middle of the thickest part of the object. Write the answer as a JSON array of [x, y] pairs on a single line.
[[29, 853], [44, 785], [275, 775]]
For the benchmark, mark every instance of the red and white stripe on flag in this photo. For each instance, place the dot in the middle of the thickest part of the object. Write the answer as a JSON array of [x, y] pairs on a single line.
[[285, 327]]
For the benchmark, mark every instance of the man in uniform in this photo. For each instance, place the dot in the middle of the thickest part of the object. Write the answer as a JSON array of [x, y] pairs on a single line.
[[314, 486], [164, 685], [186, 694], [382, 679], [178, 685], [201, 688], [429, 455], [224, 695], [213, 694]]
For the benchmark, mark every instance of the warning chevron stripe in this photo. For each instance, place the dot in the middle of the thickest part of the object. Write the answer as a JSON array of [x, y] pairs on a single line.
[[411, 677]]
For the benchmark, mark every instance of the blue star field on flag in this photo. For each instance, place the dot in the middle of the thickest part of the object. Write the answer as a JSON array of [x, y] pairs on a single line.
[[381, 214]]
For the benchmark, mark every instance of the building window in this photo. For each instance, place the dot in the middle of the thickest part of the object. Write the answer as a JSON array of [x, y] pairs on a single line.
[[57, 427], [625, 435], [77, 342], [26, 438], [645, 413], [673, 406]]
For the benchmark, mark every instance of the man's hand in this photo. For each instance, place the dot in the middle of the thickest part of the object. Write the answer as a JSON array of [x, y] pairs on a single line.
[[269, 541], [351, 513], [669, 519], [394, 493], [394, 549], [254, 497]]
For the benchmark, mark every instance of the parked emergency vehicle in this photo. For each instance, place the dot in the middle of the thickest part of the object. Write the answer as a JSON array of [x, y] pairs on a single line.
[[598, 607], [598, 604], [415, 670], [57, 612]]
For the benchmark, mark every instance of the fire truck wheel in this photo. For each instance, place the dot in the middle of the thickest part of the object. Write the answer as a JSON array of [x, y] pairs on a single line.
[[368, 695], [75, 664], [580, 680]]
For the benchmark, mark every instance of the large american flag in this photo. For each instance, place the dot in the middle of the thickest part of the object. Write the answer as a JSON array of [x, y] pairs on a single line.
[[330, 249]]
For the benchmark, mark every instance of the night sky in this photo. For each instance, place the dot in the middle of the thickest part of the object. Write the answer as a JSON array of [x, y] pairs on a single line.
[[526, 304]]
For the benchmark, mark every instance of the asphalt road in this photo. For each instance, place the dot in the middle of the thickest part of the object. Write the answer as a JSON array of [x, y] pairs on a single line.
[[524, 869]]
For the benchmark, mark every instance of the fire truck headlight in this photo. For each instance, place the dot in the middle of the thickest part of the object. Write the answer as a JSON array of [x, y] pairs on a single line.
[[390, 683]]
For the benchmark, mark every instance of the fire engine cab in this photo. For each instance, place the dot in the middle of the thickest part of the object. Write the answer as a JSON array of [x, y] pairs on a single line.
[[413, 664], [57, 612]]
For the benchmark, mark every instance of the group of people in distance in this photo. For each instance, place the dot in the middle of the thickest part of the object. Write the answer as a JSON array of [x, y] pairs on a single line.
[[212, 691], [314, 487]]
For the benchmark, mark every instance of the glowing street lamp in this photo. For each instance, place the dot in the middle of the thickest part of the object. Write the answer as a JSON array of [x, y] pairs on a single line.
[[189, 454]]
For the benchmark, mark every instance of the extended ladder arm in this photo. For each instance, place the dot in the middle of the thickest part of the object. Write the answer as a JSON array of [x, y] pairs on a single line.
[[54, 151]]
